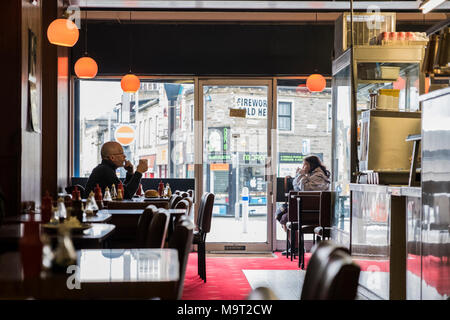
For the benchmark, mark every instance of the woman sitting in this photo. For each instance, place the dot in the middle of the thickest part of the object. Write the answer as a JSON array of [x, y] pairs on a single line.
[[313, 176]]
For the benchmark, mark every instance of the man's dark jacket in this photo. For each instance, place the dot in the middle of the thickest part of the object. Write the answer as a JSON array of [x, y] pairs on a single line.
[[105, 175]]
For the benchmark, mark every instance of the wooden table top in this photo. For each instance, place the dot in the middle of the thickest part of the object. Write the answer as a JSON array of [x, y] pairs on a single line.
[[103, 274], [100, 217], [98, 231]]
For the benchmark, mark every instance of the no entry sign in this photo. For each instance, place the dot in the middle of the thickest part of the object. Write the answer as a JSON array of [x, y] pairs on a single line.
[[124, 135]]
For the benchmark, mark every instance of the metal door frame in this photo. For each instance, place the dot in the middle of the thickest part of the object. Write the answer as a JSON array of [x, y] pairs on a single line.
[[199, 153]]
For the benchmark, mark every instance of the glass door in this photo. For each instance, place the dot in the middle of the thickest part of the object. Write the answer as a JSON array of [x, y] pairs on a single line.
[[235, 120]]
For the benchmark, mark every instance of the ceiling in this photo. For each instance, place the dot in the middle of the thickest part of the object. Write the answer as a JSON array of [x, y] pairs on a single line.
[[252, 5]]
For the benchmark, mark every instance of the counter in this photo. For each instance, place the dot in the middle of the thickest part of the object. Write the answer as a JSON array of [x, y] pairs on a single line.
[[383, 220]]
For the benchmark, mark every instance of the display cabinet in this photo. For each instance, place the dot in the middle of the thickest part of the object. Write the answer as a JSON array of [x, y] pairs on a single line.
[[386, 78]]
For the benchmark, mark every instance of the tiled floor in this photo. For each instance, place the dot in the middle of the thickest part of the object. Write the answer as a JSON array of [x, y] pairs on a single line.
[[287, 284]]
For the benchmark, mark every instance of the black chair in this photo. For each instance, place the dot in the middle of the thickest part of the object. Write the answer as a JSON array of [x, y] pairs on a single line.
[[321, 253], [331, 275], [157, 231], [340, 278], [174, 200], [182, 241], [307, 210], [204, 226], [143, 225]]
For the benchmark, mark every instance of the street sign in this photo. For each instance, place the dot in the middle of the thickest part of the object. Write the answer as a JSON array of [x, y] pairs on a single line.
[[124, 135]]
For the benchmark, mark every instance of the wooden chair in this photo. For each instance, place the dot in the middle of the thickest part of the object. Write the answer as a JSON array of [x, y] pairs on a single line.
[[204, 226], [340, 278], [143, 225], [321, 253], [331, 275], [174, 200], [307, 210], [157, 231], [182, 241]]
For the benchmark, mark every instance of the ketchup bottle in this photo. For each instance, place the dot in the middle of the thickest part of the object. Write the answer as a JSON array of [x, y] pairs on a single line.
[[30, 247], [46, 208], [161, 188]]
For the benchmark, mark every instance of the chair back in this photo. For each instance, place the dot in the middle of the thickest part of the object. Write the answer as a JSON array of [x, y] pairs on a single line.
[[310, 206], [205, 212], [143, 225], [182, 204], [321, 253], [191, 205], [174, 199], [157, 231], [340, 278], [181, 240], [315, 207]]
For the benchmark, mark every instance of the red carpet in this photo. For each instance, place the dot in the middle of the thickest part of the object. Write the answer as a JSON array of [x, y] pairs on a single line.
[[225, 278]]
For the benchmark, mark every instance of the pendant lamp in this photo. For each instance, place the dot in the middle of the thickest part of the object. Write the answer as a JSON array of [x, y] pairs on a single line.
[[86, 67], [130, 83], [316, 83], [63, 32]]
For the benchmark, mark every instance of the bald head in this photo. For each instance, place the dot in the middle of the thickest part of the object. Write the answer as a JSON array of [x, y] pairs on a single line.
[[111, 148]]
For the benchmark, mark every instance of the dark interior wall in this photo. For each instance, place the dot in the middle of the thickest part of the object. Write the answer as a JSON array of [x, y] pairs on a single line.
[[209, 49], [21, 150]]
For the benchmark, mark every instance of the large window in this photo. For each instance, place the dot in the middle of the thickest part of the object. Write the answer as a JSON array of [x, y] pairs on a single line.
[[149, 124], [303, 128]]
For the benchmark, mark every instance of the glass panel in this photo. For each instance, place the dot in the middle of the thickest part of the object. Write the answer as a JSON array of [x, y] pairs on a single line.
[[161, 125], [341, 152], [309, 135], [403, 77], [234, 162]]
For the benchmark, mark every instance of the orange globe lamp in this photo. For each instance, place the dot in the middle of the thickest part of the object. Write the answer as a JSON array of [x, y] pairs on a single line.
[[63, 32], [316, 83], [86, 68], [130, 83]]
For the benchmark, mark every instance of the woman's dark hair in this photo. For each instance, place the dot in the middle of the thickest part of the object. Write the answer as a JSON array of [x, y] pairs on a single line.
[[314, 162]]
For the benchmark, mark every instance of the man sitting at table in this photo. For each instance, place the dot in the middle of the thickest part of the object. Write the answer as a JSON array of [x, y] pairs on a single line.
[[105, 173]]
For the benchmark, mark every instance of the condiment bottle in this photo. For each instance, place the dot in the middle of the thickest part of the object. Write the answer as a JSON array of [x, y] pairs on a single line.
[[77, 210], [169, 191], [30, 247], [139, 190], [107, 196], [46, 208], [161, 188], [119, 195], [65, 253], [120, 187], [113, 192], [98, 197], [62, 213]]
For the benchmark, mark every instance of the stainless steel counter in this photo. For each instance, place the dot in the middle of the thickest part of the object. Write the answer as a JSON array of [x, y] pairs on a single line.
[[383, 227]]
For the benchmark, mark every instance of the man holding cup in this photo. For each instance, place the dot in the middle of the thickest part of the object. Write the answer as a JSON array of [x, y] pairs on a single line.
[[104, 174]]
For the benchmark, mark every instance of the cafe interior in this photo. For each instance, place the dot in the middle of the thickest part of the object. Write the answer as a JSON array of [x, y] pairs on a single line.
[[170, 150]]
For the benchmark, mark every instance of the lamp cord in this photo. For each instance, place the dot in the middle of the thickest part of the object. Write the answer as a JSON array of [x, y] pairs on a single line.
[[130, 44]]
